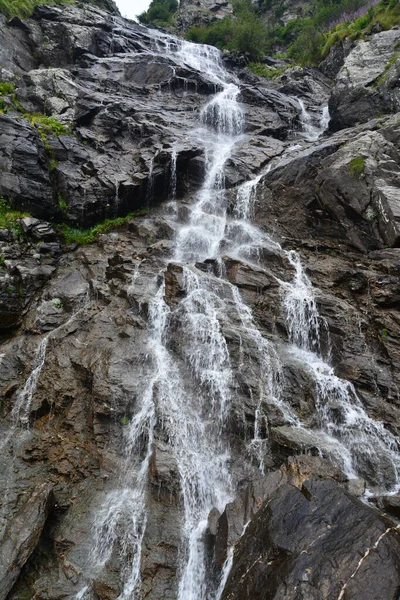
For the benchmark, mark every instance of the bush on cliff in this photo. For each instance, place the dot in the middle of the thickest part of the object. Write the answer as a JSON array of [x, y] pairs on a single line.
[[305, 40], [244, 31], [160, 13]]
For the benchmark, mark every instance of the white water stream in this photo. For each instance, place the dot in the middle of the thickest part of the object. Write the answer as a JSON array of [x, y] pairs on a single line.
[[313, 128], [193, 416]]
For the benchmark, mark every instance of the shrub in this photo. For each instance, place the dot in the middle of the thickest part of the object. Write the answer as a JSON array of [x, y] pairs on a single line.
[[88, 236], [6, 88], [357, 166], [160, 12], [9, 218]]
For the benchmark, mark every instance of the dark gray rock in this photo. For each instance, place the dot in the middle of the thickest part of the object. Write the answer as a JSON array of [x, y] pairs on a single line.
[[367, 83], [317, 542], [22, 536]]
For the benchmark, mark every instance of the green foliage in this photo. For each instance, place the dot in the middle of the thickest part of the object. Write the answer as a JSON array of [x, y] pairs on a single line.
[[6, 88], [385, 76], [9, 218], [384, 333], [386, 13], [357, 166], [75, 235], [264, 71], [243, 32], [24, 8], [46, 124], [160, 13], [62, 203], [124, 420], [304, 40], [57, 303]]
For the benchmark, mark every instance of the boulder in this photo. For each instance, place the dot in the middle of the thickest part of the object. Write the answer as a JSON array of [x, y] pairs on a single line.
[[367, 85], [317, 542], [22, 536]]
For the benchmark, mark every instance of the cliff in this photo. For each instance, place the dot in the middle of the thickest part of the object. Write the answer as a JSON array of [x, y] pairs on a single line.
[[202, 403]]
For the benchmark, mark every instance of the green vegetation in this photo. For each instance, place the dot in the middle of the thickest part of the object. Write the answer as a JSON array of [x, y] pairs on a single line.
[[45, 124], [24, 8], [244, 31], [160, 13], [62, 203], [9, 218], [357, 166], [57, 303], [304, 40], [385, 75], [264, 71], [6, 88], [124, 420], [384, 333], [88, 236], [386, 14]]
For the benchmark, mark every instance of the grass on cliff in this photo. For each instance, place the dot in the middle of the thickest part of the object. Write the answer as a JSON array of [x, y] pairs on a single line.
[[304, 40], [74, 235], [9, 218], [160, 13], [24, 8], [357, 166]]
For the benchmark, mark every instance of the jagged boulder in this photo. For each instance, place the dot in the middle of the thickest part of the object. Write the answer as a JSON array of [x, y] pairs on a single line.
[[22, 536], [367, 85], [318, 543]]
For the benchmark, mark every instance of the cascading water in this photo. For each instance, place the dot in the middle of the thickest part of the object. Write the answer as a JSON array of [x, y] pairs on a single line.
[[364, 445], [193, 416], [313, 128]]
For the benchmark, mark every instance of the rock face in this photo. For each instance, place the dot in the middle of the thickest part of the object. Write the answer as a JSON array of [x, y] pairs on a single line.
[[89, 333], [367, 85], [119, 143], [316, 543], [22, 536]]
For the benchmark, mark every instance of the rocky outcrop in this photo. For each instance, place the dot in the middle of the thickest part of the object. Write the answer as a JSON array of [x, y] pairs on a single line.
[[77, 352], [367, 85], [114, 146], [22, 536], [316, 542], [200, 13]]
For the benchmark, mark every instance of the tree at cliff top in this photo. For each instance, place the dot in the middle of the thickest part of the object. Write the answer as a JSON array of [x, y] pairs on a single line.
[[24, 8], [244, 31], [306, 40], [160, 13]]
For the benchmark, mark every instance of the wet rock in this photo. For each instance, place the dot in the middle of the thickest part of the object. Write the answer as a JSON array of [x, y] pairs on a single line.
[[289, 545], [356, 487], [367, 84], [22, 536], [41, 230], [347, 193], [388, 504]]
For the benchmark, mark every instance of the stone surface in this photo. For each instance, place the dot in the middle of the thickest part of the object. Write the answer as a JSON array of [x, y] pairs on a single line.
[[126, 110], [22, 536], [367, 83], [315, 543]]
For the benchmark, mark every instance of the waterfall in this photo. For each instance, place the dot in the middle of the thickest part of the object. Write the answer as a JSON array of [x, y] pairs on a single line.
[[188, 398], [313, 129], [363, 445], [173, 180]]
